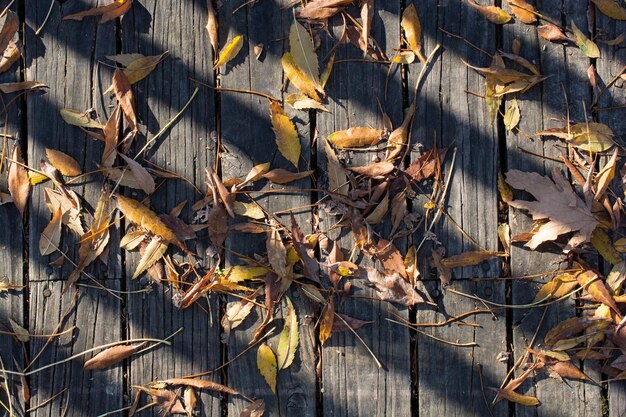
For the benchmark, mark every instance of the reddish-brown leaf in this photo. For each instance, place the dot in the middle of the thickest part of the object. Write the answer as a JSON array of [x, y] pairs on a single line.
[[125, 97], [111, 356]]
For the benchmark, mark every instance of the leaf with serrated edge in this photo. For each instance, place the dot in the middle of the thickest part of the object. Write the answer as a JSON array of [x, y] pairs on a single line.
[[230, 51], [153, 252], [287, 138], [266, 362], [288, 342], [303, 52]]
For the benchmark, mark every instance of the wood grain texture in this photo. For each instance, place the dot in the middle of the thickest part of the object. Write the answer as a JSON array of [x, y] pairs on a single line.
[[612, 61], [11, 239], [248, 140], [187, 148], [448, 380], [352, 383]]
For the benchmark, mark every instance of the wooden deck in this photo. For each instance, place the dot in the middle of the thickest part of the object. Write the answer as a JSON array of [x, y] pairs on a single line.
[[421, 377]]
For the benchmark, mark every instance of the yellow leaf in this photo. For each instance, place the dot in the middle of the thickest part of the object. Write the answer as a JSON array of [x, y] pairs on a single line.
[[230, 51], [299, 79], [591, 136], [287, 138], [558, 287], [140, 68], [511, 115], [492, 13], [243, 273], [302, 102], [600, 240], [66, 165], [303, 52], [586, 45], [266, 362], [153, 252], [288, 342], [355, 137], [51, 235], [611, 8], [326, 322], [249, 210], [413, 31], [142, 216]]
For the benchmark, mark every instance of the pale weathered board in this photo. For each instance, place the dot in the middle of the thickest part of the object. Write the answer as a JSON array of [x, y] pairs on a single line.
[[448, 379], [352, 384], [187, 149], [248, 140]]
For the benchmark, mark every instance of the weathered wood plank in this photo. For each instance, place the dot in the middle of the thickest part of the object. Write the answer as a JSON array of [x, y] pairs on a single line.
[[611, 62], [152, 28], [64, 58], [542, 108], [448, 379], [11, 241], [351, 381], [248, 140]]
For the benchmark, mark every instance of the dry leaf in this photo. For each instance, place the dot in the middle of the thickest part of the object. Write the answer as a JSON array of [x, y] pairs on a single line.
[[558, 287], [251, 210], [142, 216], [586, 45], [266, 362], [377, 169], [51, 235], [242, 273], [598, 290], [556, 202], [523, 11], [112, 356], [11, 55], [391, 258], [355, 137], [392, 287], [143, 177], [212, 26], [510, 395], [512, 115], [66, 165], [287, 138], [6, 286], [398, 139], [303, 52], [305, 252], [236, 313], [277, 253], [125, 97], [326, 321], [288, 342], [230, 51], [9, 29], [256, 409], [8, 88], [468, 258], [337, 178], [302, 102], [413, 31], [611, 8], [19, 185], [492, 13], [151, 254], [20, 333], [197, 383], [108, 12], [367, 15], [299, 79], [592, 136], [323, 9], [138, 68], [552, 33], [282, 176], [80, 119]]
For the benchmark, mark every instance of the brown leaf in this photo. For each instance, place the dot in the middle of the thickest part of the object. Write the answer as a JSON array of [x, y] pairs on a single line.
[[11, 55], [413, 31], [556, 202], [326, 321], [367, 15], [598, 290], [150, 255], [19, 186], [256, 409], [352, 323], [108, 12], [517, 398], [217, 219], [398, 139], [227, 197], [323, 9], [377, 169], [112, 356], [199, 384], [392, 287], [143, 177], [567, 370], [427, 164], [51, 235], [492, 13], [125, 97], [277, 253], [9, 29], [337, 178], [391, 258], [212, 26], [523, 11], [468, 258], [66, 165], [305, 252], [282, 176], [611, 8], [8, 88], [552, 33]]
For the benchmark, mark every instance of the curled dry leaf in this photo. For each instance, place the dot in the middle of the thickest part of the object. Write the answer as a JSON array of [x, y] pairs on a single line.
[[108, 12], [151, 254], [19, 185], [197, 383], [236, 313], [392, 287], [266, 362], [282, 176], [288, 342], [66, 165], [552, 33], [511, 115], [125, 97], [9, 29], [556, 202], [492, 13], [230, 51], [302, 102], [212, 26], [256, 409], [611, 8], [112, 356], [413, 31], [287, 138], [323, 9], [11, 55], [510, 395], [355, 137]]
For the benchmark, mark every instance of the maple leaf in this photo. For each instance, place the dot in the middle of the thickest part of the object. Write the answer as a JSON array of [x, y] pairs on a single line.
[[556, 201]]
